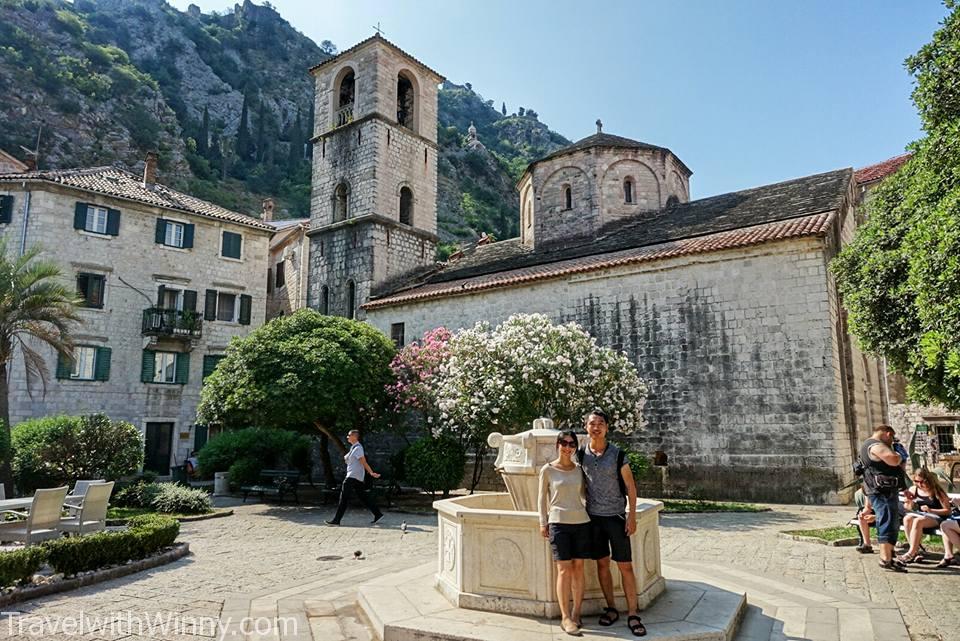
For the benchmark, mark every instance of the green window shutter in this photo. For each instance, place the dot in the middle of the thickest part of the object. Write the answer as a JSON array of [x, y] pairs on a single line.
[[232, 245], [80, 216], [188, 236], [210, 362], [182, 374], [199, 437], [189, 300], [210, 305], [161, 232], [113, 222], [160, 290], [64, 366], [246, 305], [101, 365], [6, 209], [147, 366]]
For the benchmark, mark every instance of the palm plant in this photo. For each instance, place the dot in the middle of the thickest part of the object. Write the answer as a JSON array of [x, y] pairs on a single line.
[[36, 309]]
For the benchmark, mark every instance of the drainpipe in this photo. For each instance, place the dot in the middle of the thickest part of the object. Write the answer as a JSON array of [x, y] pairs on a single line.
[[26, 219]]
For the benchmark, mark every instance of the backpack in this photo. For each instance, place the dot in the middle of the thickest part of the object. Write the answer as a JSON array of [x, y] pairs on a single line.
[[621, 460]]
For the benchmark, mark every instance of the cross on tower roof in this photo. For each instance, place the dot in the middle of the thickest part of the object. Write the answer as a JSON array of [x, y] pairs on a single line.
[[599, 126], [379, 31]]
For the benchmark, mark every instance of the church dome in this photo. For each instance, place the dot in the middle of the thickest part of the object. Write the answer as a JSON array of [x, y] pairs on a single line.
[[607, 141]]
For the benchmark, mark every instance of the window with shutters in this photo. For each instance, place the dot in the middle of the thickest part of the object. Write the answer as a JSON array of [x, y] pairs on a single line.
[[281, 277], [90, 287], [226, 307], [6, 209], [232, 245], [96, 220], [170, 298], [210, 362], [174, 234], [165, 367], [84, 361]]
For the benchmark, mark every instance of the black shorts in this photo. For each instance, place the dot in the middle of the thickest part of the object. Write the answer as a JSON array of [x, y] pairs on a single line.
[[570, 541], [610, 538]]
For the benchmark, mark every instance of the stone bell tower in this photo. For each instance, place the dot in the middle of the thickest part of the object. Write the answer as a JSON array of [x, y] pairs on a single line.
[[373, 206]]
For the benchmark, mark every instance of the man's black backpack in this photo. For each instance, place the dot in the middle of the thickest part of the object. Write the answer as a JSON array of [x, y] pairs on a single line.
[[621, 460]]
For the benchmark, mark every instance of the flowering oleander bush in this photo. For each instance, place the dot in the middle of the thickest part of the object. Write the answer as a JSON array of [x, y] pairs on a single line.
[[502, 379], [415, 369]]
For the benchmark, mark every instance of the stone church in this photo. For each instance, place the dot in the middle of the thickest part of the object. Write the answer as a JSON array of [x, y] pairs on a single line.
[[725, 304]]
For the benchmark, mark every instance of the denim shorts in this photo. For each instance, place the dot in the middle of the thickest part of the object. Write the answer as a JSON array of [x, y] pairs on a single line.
[[887, 509]]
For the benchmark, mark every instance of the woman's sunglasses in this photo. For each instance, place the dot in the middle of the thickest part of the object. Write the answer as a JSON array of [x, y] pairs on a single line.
[[919, 482], [566, 443]]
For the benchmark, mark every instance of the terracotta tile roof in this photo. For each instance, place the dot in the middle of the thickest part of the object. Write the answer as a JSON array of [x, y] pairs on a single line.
[[363, 43], [881, 169], [119, 183], [814, 225]]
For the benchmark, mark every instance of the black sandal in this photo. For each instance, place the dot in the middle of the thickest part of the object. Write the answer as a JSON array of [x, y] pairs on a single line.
[[636, 626], [609, 617], [945, 562]]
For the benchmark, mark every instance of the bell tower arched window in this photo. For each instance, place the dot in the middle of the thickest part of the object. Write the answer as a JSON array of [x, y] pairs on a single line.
[[324, 300], [628, 191], [340, 202], [346, 92], [567, 197], [406, 102], [673, 201], [406, 205]]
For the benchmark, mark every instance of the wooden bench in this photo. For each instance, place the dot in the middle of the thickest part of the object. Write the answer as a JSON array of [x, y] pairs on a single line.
[[276, 483]]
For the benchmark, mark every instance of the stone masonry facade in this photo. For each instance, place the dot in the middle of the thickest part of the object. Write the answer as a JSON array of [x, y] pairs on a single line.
[[738, 348], [364, 160], [134, 266]]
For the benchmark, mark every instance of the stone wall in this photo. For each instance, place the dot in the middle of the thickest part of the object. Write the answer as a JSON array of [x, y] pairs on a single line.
[[737, 346], [134, 265], [294, 254]]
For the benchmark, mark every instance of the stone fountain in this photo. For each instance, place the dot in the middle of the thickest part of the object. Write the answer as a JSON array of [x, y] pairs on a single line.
[[491, 555]]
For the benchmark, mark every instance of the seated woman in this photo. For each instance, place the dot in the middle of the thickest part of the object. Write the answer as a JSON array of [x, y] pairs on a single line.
[[564, 520], [927, 507], [865, 519], [951, 539]]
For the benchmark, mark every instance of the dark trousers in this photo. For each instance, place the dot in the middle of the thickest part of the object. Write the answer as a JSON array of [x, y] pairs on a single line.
[[353, 486]]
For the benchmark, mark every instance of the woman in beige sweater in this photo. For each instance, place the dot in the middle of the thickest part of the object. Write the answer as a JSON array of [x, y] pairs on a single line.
[[564, 520]]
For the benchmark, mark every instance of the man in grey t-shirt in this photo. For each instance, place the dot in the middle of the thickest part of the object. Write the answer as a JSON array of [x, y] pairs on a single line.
[[612, 507]]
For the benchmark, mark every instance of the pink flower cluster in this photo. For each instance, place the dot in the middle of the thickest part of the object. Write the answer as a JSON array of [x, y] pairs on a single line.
[[414, 367]]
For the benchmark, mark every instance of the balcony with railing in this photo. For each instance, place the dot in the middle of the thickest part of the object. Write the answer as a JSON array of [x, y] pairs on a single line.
[[343, 116], [175, 323]]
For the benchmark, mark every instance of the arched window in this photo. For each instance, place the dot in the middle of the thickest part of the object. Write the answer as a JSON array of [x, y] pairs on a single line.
[[673, 201], [405, 102], [345, 97], [340, 202], [628, 191], [406, 206], [567, 197], [351, 299], [324, 300]]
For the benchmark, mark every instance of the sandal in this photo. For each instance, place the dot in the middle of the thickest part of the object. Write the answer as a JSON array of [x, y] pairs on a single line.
[[904, 559], [893, 566], [945, 562], [609, 617], [572, 629], [636, 626]]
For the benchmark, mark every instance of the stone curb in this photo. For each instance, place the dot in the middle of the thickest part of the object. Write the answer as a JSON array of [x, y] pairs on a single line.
[[178, 551], [813, 539], [182, 519]]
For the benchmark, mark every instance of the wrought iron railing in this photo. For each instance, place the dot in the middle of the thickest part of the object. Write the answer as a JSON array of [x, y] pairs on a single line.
[[158, 321]]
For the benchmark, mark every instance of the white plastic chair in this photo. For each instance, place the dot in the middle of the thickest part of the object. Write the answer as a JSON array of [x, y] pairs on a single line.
[[79, 490], [92, 513], [43, 521]]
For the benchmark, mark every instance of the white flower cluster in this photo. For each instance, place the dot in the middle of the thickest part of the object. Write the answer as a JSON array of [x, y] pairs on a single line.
[[528, 367]]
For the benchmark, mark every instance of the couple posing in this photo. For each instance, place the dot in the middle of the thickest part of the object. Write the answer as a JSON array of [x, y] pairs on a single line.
[[588, 504]]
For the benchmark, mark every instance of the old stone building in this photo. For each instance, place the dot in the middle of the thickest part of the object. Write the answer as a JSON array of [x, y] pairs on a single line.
[[167, 280], [373, 214], [288, 263], [725, 304]]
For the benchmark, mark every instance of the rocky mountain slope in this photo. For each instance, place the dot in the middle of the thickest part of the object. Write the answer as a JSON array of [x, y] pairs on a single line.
[[227, 101]]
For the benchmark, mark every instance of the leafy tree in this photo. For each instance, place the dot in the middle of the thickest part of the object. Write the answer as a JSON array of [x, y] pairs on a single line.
[[435, 463], [35, 307], [306, 370], [328, 47], [900, 276], [520, 111], [244, 144], [203, 137]]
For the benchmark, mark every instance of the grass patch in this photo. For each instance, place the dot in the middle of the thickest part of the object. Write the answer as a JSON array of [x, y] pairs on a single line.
[[681, 506], [124, 513], [830, 534]]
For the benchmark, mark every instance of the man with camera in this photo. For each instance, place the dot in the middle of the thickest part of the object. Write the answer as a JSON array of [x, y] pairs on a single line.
[[881, 480]]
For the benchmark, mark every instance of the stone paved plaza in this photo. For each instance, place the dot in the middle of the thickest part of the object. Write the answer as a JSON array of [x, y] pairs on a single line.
[[269, 560]]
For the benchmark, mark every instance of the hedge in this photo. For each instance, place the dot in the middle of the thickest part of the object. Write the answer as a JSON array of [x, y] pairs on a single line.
[[144, 536], [435, 464], [18, 566]]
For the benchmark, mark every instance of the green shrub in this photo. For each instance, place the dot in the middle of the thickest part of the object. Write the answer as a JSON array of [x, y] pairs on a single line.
[[269, 448], [18, 566], [138, 494], [177, 499], [246, 471], [144, 536], [639, 465], [57, 450], [435, 464]]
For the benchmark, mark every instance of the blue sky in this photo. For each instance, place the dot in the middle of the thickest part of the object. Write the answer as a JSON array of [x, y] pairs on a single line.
[[744, 92]]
